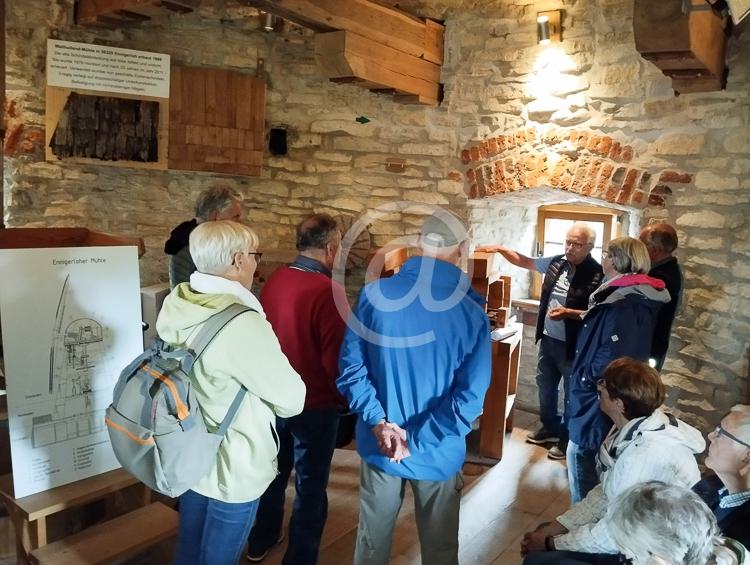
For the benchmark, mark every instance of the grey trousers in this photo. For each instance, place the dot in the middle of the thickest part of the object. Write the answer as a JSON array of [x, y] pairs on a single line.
[[436, 508]]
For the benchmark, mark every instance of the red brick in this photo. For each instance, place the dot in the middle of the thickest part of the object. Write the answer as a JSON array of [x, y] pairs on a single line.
[[645, 181], [662, 190], [603, 180], [614, 152], [510, 141], [454, 175], [520, 137], [465, 156], [656, 200], [627, 154], [471, 175], [474, 153], [501, 145], [492, 147], [629, 184], [473, 191], [604, 145], [638, 197], [593, 143], [674, 176]]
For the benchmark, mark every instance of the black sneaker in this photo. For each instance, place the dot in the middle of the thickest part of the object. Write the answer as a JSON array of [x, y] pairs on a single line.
[[542, 436], [255, 555]]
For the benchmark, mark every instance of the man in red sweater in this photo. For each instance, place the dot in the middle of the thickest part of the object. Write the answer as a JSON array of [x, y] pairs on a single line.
[[299, 304]]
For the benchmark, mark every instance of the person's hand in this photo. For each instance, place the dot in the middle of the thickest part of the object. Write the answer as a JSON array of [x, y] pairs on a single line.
[[391, 440], [558, 313], [533, 541]]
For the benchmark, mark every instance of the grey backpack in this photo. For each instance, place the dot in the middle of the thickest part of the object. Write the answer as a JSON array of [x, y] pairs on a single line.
[[155, 422]]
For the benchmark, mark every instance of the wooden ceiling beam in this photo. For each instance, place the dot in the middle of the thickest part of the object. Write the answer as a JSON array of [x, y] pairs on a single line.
[[97, 11], [385, 25], [347, 57]]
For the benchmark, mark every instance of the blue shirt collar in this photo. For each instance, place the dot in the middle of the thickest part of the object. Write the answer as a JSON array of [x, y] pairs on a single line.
[[310, 265]]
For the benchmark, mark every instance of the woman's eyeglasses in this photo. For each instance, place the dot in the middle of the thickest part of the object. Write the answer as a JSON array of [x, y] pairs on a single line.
[[256, 254]]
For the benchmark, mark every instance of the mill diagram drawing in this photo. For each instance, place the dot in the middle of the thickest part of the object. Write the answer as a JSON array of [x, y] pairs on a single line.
[[76, 352]]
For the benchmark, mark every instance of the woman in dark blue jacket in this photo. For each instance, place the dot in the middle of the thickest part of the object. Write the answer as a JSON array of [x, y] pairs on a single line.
[[619, 323]]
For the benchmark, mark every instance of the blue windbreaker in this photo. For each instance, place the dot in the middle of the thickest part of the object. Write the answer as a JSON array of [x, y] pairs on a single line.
[[417, 353]]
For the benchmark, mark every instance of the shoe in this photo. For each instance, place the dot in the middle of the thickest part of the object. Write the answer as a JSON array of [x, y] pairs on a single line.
[[542, 436], [557, 452], [256, 556]]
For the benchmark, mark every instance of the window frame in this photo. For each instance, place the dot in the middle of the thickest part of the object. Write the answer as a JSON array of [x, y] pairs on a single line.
[[610, 217]]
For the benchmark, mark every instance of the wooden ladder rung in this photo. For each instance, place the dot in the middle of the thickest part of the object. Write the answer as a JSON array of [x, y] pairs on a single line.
[[125, 535]]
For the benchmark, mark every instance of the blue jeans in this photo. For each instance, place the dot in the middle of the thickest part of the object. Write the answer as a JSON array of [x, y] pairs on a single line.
[[552, 367], [582, 475], [212, 532], [307, 442]]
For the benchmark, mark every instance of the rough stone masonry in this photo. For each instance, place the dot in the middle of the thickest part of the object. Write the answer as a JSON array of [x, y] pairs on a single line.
[[585, 120]]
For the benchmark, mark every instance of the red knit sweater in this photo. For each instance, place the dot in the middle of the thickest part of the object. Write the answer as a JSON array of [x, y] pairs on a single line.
[[300, 307]]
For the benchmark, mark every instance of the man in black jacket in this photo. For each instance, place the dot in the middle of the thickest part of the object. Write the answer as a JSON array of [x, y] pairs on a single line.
[[661, 241], [219, 202], [569, 279], [728, 492]]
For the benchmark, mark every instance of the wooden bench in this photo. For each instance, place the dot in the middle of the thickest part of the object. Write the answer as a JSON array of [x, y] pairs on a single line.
[[125, 535]]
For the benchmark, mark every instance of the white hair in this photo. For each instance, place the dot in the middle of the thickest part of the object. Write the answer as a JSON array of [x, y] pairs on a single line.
[[668, 521], [587, 229], [213, 245]]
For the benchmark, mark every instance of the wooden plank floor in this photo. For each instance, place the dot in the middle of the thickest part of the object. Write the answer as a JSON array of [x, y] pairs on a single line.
[[499, 504]]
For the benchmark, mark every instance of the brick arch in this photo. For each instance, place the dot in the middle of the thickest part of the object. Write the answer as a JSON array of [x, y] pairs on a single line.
[[576, 161]]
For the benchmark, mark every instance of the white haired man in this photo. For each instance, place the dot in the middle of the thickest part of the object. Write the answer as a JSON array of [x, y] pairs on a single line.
[[415, 366], [219, 202], [569, 280], [728, 492]]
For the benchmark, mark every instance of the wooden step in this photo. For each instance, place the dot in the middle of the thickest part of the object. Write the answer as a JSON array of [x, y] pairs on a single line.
[[125, 535]]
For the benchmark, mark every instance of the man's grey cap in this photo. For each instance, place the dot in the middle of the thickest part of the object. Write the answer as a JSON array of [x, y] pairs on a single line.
[[437, 233]]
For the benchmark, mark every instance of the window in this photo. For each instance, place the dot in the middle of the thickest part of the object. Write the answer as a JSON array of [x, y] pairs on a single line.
[[554, 221]]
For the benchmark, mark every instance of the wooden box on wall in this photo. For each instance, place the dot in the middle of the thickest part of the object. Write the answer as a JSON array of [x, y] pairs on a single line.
[[687, 46]]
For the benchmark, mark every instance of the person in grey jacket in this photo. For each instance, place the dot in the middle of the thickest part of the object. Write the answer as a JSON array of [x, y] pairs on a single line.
[[645, 444], [220, 202]]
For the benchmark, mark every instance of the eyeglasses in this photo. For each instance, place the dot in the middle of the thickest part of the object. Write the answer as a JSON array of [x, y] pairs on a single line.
[[719, 431], [256, 254], [573, 244], [605, 253]]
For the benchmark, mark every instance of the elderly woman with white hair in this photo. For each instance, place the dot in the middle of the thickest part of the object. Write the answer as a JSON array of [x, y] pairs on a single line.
[[620, 322], [658, 524], [217, 513]]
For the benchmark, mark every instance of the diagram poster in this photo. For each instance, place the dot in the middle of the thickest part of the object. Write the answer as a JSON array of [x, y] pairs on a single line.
[[71, 320]]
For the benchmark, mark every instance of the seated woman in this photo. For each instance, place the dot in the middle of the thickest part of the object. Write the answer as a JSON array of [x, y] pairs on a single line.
[[654, 524], [217, 513], [619, 322], [645, 444]]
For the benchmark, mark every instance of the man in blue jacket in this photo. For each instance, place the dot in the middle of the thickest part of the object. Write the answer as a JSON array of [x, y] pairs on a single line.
[[415, 366]]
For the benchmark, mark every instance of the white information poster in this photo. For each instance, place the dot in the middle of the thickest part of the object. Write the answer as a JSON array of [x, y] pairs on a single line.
[[71, 320], [108, 69]]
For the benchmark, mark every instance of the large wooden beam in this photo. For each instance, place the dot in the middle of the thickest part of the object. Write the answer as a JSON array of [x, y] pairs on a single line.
[[96, 11], [685, 46], [383, 24], [347, 57]]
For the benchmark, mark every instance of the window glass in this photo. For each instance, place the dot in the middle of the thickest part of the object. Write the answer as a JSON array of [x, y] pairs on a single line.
[[554, 237]]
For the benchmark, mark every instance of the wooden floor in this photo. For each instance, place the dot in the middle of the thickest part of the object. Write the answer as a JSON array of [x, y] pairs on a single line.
[[499, 504]]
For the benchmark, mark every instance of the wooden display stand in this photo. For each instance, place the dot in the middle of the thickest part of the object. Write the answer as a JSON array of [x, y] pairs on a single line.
[[147, 525], [486, 442]]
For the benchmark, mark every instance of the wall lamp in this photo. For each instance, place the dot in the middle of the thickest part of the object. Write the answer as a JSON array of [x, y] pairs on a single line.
[[548, 27], [269, 21]]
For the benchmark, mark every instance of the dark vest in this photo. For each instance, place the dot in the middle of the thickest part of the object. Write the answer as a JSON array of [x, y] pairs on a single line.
[[586, 279]]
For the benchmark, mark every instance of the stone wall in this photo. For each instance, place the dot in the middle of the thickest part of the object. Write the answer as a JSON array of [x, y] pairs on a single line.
[[685, 159]]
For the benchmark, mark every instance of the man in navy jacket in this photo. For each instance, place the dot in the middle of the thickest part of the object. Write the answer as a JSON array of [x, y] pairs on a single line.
[[415, 366]]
